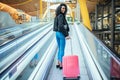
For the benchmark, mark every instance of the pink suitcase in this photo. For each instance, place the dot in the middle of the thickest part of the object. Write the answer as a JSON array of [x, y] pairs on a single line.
[[71, 68]]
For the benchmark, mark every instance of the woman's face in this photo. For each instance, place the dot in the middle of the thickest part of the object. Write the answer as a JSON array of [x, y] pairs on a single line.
[[63, 9]]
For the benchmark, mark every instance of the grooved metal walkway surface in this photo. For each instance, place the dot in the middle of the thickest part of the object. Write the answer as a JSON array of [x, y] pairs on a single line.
[[56, 74]]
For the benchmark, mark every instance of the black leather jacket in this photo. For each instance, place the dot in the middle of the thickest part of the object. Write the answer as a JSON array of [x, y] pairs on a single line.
[[59, 23]]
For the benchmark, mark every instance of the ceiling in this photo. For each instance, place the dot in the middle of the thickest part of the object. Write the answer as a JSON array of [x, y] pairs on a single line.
[[32, 6]]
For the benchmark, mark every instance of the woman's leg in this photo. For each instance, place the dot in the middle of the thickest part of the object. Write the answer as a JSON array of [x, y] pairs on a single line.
[[58, 42], [62, 46]]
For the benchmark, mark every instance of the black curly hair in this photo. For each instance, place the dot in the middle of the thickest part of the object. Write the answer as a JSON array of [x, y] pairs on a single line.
[[58, 10]]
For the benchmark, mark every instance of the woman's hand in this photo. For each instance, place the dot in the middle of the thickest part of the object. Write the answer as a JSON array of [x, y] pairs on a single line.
[[68, 37]]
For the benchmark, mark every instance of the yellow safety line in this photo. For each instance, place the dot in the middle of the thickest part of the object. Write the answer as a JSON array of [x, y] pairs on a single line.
[[22, 3], [85, 14]]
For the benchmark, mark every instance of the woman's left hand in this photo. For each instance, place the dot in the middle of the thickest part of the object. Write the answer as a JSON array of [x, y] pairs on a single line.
[[68, 37]]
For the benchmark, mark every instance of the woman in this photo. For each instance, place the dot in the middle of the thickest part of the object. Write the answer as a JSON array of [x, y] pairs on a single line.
[[61, 28]]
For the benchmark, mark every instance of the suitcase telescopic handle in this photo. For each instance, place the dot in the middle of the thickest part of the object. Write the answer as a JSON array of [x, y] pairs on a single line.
[[71, 46]]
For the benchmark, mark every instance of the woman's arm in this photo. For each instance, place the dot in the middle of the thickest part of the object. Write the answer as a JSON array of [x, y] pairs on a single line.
[[61, 23]]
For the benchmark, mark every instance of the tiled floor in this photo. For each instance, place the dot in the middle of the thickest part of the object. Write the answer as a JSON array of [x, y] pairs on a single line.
[[56, 74]]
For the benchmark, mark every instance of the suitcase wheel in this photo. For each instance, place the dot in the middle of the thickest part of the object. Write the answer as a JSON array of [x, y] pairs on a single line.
[[78, 77], [64, 78]]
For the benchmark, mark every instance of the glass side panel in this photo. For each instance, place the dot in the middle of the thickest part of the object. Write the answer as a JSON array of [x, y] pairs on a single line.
[[9, 34], [106, 58]]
